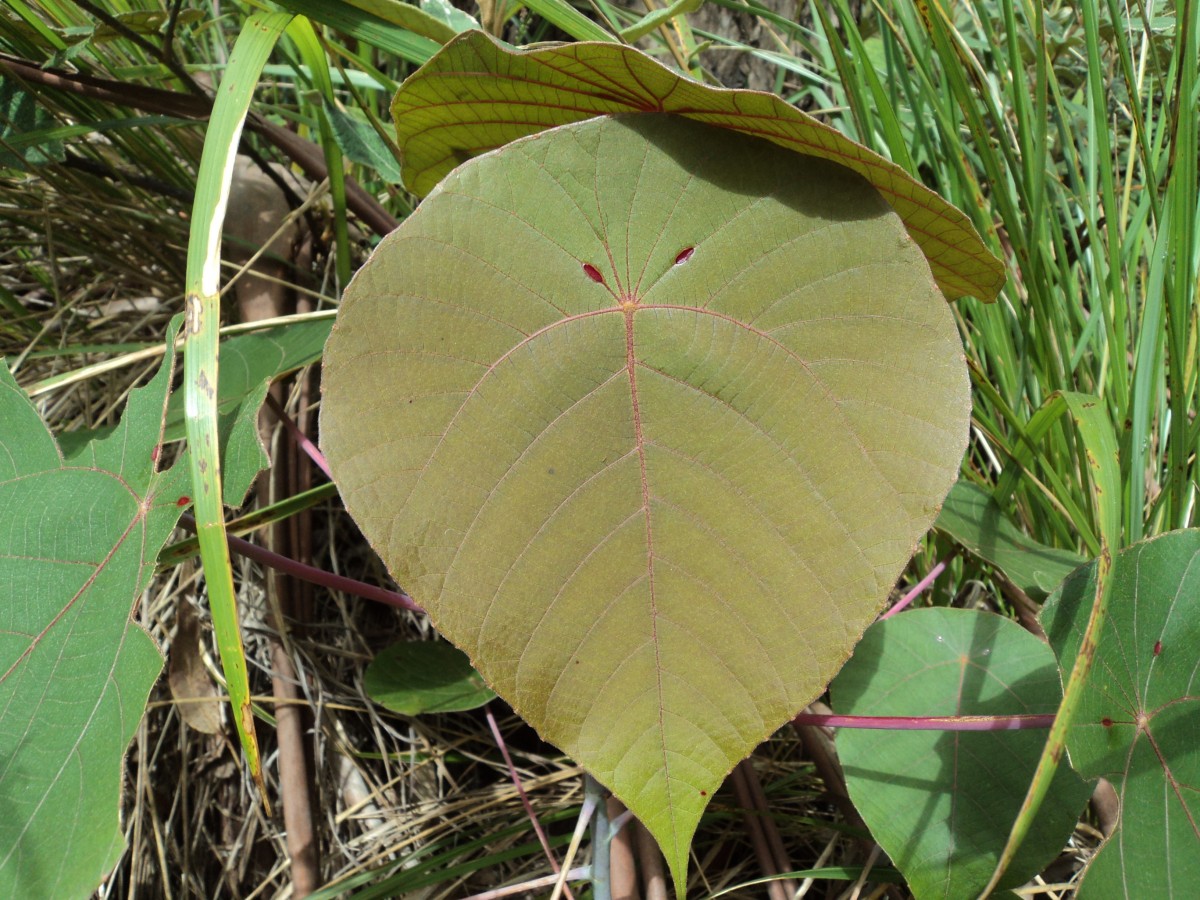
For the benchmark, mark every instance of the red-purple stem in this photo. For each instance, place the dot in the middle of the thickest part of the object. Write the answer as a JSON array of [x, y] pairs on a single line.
[[299, 437], [516, 780], [928, 723], [916, 591], [312, 573], [403, 601]]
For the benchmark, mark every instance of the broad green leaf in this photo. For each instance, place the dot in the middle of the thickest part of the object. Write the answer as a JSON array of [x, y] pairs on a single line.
[[1137, 720], [78, 538], [970, 518], [246, 361], [648, 415], [476, 94], [415, 677], [940, 803]]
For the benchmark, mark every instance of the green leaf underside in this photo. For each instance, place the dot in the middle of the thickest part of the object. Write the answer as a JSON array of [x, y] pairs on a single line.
[[1137, 722], [658, 511], [942, 803], [970, 518], [78, 539], [477, 94], [416, 677]]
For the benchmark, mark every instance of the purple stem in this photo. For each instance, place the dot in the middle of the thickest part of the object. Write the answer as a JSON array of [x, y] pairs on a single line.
[[516, 780], [299, 437], [312, 573], [916, 591], [928, 723]]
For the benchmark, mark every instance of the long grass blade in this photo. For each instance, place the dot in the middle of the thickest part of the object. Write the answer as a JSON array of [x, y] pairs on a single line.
[[234, 94], [1100, 443]]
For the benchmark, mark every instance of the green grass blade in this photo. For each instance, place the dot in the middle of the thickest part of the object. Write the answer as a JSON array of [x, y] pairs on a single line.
[[308, 43], [1100, 443], [648, 23], [569, 19], [236, 90], [393, 35]]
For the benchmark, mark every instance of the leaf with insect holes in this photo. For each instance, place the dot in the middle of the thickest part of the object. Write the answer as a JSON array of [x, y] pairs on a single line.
[[648, 415], [78, 540], [1137, 722], [476, 94]]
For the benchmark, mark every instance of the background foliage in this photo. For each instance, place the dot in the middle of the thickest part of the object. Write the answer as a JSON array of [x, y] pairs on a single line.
[[1066, 132]]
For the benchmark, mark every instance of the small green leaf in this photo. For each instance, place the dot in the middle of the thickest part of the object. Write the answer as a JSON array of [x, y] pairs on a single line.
[[971, 519], [78, 540], [415, 677], [1137, 721], [648, 415], [445, 11], [242, 454], [941, 804], [247, 360], [477, 94], [361, 143]]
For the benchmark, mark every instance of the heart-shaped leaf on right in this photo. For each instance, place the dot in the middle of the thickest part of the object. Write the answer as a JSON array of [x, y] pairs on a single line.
[[1137, 720], [649, 416]]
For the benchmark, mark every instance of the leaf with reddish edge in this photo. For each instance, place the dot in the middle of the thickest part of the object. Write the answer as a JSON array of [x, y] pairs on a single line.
[[78, 540], [477, 94], [1137, 721], [649, 416], [940, 803]]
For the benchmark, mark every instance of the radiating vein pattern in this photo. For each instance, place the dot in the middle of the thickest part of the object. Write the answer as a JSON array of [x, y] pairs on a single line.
[[649, 415]]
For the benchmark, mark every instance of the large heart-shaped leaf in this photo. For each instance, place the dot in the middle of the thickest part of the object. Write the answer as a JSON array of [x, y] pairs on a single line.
[[1136, 723], [78, 538], [942, 803], [649, 416], [477, 94]]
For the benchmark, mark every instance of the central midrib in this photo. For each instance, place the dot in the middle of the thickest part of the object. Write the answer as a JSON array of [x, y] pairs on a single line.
[[639, 439]]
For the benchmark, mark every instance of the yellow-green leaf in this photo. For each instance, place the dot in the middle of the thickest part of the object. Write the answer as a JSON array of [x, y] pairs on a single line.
[[648, 415], [477, 94]]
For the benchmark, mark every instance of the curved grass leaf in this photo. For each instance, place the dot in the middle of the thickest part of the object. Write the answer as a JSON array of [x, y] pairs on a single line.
[[78, 539], [200, 364], [416, 677], [1136, 723], [942, 803], [476, 95], [648, 415]]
